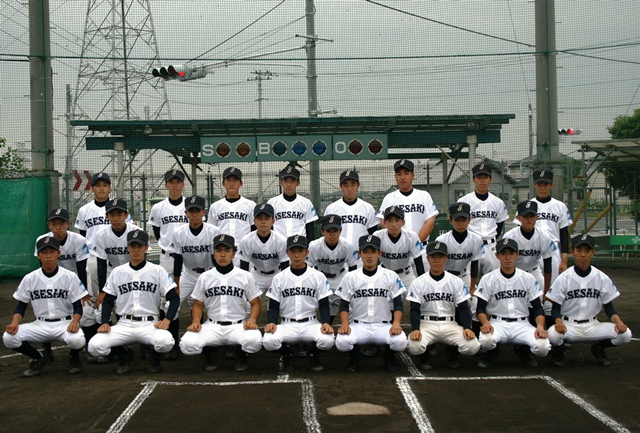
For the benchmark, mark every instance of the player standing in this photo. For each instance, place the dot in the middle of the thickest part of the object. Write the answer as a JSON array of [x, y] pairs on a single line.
[[294, 214], [418, 206], [488, 214], [358, 216], [578, 295], [55, 294]]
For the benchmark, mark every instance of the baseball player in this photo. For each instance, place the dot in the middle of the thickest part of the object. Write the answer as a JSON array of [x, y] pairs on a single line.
[[488, 214], [333, 256], [358, 216], [263, 251], [434, 297], [294, 296], [367, 292], [55, 294], [401, 249], [503, 309], [224, 292], [136, 289], [417, 205], [578, 295], [294, 214]]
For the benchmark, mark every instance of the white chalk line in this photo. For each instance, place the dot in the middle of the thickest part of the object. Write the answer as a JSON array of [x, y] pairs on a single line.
[[20, 354], [309, 413], [411, 366]]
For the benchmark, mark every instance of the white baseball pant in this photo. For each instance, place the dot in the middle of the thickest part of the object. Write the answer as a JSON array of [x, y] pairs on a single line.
[[127, 332], [297, 332], [215, 334], [520, 332], [449, 333], [41, 331], [589, 332], [371, 333]]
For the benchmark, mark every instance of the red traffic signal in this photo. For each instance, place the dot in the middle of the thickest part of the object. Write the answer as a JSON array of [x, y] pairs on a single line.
[[179, 72], [569, 131]]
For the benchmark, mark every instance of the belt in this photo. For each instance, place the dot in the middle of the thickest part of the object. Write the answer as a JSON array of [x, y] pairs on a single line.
[[489, 241], [333, 275], [266, 272], [44, 319], [140, 318], [457, 273], [399, 271], [533, 269], [438, 319], [370, 323], [578, 321], [198, 270], [306, 319], [163, 251], [508, 319], [222, 323]]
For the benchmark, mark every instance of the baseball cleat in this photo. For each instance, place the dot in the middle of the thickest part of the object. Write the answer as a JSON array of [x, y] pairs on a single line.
[[557, 356], [524, 353], [75, 366], [210, 358], [241, 360], [390, 361], [36, 366], [124, 365], [424, 361], [173, 354], [600, 355], [288, 363], [314, 362]]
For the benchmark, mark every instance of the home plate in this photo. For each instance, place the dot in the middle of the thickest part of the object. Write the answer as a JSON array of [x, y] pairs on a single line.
[[358, 408]]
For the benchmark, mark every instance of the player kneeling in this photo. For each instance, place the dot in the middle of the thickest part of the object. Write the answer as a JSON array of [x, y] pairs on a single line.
[[434, 297], [136, 288], [367, 292], [56, 296], [578, 295], [504, 296], [295, 295], [225, 291]]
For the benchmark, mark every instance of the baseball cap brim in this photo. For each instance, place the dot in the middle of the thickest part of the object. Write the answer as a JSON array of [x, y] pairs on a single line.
[[542, 180], [137, 241], [460, 214], [332, 226], [527, 212]]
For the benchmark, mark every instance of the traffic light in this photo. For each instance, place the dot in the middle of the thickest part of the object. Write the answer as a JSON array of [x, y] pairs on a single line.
[[179, 72], [569, 131]]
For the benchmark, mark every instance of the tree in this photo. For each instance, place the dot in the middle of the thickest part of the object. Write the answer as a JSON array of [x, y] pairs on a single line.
[[11, 164]]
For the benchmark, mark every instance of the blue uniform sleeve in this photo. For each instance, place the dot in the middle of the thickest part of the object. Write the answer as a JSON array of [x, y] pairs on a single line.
[[274, 311], [414, 316], [77, 307], [482, 307], [174, 303], [556, 311], [324, 310], [21, 308], [464, 312]]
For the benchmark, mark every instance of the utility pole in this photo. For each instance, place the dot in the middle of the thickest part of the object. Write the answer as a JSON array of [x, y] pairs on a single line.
[[259, 76], [312, 94]]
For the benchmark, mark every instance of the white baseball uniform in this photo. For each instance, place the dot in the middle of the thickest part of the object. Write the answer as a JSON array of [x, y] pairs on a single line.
[[508, 310], [532, 251], [52, 301], [111, 247], [264, 257], [418, 207], [399, 256], [460, 255], [438, 301], [369, 317], [299, 297], [582, 299], [225, 298], [168, 217], [357, 218], [234, 218], [138, 295], [291, 217]]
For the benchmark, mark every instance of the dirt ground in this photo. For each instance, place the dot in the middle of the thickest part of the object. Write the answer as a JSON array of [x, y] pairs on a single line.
[[191, 399]]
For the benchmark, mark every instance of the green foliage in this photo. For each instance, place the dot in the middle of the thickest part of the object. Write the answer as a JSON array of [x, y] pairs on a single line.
[[624, 176], [11, 164], [626, 126]]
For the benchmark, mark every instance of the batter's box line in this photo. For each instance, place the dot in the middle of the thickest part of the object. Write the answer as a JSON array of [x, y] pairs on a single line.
[[425, 426], [309, 413]]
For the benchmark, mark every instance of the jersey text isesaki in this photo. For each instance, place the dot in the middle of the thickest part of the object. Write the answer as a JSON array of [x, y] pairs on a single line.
[[448, 297], [412, 207], [116, 251], [238, 292], [299, 291], [96, 221], [529, 253], [325, 261], [49, 294], [462, 256], [548, 216], [139, 286], [511, 294], [174, 219], [484, 214], [195, 249], [232, 216], [583, 293], [289, 215], [263, 256], [368, 293], [395, 256], [353, 219]]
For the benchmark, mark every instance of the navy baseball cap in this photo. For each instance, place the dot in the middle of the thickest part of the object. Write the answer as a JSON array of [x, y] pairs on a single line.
[[225, 240], [403, 163], [369, 241], [195, 201], [543, 175], [583, 239], [47, 242], [482, 168], [527, 208], [393, 210], [437, 248], [507, 243], [173, 173], [137, 237], [460, 209], [100, 176], [58, 212], [264, 208], [289, 171], [232, 171], [297, 241], [331, 221], [116, 204], [349, 174]]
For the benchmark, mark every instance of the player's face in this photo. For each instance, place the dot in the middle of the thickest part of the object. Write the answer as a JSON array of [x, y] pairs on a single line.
[[101, 190], [195, 217], [350, 189], [117, 218], [394, 225], [507, 259], [232, 185], [58, 227], [528, 221], [369, 257], [436, 262], [583, 255], [175, 187], [404, 179], [289, 185], [223, 255], [297, 256], [331, 236], [482, 182], [48, 258], [543, 189], [136, 252], [459, 224], [263, 223]]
